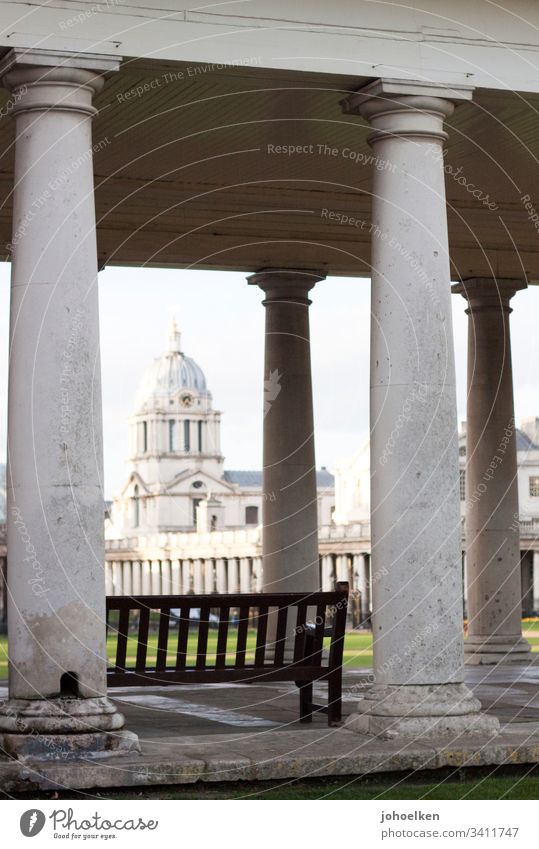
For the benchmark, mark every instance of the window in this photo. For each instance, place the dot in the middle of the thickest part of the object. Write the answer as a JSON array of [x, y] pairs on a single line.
[[196, 502], [534, 485], [462, 475], [136, 508], [144, 436], [200, 437], [171, 426], [251, 515], [187, 435]]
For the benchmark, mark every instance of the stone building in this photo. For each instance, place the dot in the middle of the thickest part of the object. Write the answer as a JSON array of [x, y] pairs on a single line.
[[347, 138]]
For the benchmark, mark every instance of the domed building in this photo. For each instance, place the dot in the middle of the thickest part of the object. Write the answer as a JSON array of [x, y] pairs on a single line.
[[176, 478]]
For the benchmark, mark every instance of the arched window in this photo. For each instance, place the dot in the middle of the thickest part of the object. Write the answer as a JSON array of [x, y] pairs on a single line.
[[136, 508], [171, 426], [144, 436], [187, 435], [251, 515], [200, 437]]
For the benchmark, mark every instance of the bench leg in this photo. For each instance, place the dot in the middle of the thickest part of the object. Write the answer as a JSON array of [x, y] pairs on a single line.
[[335, 698], [306, 702]]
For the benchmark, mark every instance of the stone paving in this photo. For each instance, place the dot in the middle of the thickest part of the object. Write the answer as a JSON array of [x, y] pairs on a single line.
[[201, 732]]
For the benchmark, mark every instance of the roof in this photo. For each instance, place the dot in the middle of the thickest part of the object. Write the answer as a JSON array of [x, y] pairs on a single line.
[[254, 478]]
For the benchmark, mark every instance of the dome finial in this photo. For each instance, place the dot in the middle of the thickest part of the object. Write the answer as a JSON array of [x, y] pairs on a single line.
[[174, 337]]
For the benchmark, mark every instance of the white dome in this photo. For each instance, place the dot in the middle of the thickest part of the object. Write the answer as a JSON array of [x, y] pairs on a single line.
[[170, 373]]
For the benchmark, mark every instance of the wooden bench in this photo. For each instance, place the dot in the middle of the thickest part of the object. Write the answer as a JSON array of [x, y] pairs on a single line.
[[314, 617]]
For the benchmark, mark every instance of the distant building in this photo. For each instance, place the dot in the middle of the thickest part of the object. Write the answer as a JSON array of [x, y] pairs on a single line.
[[179, 504]]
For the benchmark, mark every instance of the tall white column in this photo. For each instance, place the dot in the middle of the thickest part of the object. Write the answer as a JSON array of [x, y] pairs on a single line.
[[220, 569], [55, 496], [127, 582], [245, 575], [166, 577], [175, 568], [117, 577], [198, 577], [146, 578], [156, 577], [415, 521], [137, 579], [208, 576], [290, 520], [233, 575], [109, 586], [258, 574], [492, 526], [187, 584], [362, 581], [328, 582]]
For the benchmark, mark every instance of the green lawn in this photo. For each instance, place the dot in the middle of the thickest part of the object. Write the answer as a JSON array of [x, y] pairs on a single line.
[[357, 647], [515, 786]]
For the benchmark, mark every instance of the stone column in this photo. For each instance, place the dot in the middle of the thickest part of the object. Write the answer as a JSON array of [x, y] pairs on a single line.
[[233, 575], [137, 581], [146, 577], [415, 519], [156, 577], [208, 576], [175, 569], [186, 577], [258, 574], [166, 577], [126, 578], [492, 526], [220, 570], [245, 575], [57, 679], [198, 577], [117, 578], [290, 520], [361, 571], [328, 582], [109, 588]]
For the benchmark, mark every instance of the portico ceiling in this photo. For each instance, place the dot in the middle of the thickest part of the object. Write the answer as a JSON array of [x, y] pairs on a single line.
[[189, 173]]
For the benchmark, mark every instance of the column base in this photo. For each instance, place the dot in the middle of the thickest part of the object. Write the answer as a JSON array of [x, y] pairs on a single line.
[[421, 711], [57, 729], [490, 650]]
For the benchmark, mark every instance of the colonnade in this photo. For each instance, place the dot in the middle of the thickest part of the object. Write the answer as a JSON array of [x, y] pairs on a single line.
[[56, 580]]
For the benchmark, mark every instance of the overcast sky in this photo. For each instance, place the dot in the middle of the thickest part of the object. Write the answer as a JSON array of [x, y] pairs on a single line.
[[222, 323]]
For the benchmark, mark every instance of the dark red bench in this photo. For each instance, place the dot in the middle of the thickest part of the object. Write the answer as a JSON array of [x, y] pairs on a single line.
[[133, 617]]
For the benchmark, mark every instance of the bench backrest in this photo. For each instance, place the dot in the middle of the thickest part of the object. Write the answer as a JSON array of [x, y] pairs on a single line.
[[179, 646]]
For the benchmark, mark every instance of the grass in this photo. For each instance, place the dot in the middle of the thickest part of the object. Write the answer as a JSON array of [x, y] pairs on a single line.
[[483, 785], [357, 647]]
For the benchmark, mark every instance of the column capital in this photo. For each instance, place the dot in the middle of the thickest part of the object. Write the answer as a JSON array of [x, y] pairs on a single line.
[[286, 284], [488, 292], [406, 108], [41, 80]]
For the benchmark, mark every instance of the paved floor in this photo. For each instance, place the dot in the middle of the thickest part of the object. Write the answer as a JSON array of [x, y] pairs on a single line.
[[243, 732]]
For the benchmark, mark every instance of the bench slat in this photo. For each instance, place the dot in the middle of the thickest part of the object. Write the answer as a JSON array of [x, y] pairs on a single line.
[[261, 632], [183, 637], [121, 644], [241, 645], [203, 627], [142, 647], [222, 637], [280, 636], [299, 642], [318, 637], [162, 640]]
